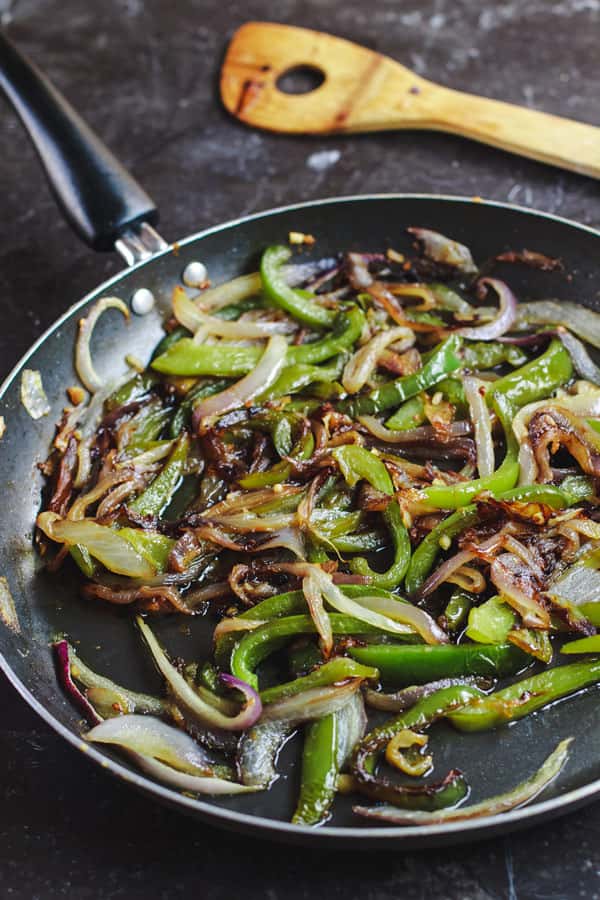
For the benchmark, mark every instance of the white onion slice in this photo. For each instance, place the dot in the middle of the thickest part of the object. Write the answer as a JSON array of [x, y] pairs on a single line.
[[230, 292], [265, 373], [194, 319], [443, 573], [197, 784], [507, 312], [103, 543], [83, 357], [419, 620], [412, 435], [8, 611], [361, 364], [312, 704], [314, 600], [480, 417], [153, 737]]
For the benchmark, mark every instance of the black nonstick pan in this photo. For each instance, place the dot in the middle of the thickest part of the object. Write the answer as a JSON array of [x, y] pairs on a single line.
[[109, 210]]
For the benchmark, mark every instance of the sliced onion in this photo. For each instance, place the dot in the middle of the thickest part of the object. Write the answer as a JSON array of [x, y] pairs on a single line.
[[264, 374], [247, 522], [258, 750], [419, 435], [186, 697], [518, 796], [8, 610], [362, 363], [480, 417], [507, 312], [233, 291], [234, 624], [314, 599], [103, 543], [289, 539], [83, 357], [343, 604], [63, 662], [197, 784], [153, 737], [311, 704], [351, 724], [191, 317], [507, 573], [574, 316], [398, 610], [33, 396], [582, 361], [443, 573], [442, 249]]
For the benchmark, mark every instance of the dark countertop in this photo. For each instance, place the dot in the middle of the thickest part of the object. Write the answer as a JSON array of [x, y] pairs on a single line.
[[144, 75]]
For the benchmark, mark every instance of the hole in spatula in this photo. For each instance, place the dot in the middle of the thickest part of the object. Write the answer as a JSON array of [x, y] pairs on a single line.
[[300, 80]]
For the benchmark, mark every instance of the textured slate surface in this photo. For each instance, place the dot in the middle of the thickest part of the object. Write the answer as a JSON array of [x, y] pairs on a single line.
[[144, 75]]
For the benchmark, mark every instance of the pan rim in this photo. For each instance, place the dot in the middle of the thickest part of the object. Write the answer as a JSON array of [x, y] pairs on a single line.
[[367, 836]]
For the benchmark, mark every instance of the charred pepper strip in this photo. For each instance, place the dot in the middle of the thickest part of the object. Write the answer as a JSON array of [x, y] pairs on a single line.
[[402, 664], [337, 669], [442, 362], [153, 500], [357, 463], [281, 295], [419, 716], [526, 696], [281, 471]]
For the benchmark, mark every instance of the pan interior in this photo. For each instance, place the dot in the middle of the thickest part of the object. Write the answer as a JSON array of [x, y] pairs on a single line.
[[105, 635]]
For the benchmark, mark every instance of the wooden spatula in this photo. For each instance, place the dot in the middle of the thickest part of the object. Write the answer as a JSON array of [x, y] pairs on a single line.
[[365, 91]]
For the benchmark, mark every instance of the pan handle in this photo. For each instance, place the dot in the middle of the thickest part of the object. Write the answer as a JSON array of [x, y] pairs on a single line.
[[101, 201]]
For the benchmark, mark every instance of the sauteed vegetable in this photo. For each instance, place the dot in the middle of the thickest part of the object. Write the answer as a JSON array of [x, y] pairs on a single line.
[[380, 473]]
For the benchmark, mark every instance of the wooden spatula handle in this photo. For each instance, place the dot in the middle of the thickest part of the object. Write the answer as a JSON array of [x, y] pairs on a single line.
[[365, 91]]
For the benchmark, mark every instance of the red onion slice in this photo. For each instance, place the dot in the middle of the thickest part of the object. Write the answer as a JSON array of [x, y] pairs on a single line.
[[507, 313], [422, 434], [186, 697], [519, 795], [264, 374], [197, 784], [63, 662], [514, 583]]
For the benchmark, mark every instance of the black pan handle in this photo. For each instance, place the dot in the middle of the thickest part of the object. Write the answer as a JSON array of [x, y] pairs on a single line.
[[98, 197]]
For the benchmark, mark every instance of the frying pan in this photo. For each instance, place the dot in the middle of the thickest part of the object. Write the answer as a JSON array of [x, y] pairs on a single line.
[[108, 209]]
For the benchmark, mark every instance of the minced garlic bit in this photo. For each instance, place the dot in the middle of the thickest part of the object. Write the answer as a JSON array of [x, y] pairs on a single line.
[[33, 396], [8, 611], [277, 488], [2, 427], [297, 237], [444, 542], [437, 398], [76, 394], [134, 362]]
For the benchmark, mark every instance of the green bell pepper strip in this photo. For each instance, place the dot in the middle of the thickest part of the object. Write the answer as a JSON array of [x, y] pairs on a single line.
[[591, 611], [403, 664], [491, 622], [156, 497], [357, 463], [168, 340], [457, 609], [148, 425], [488, 354], [320, 771], [410, 415], [234, 310], [152, 545], [137, 386], [419, 716], [526, 696], [423, 559], [281, 295], [583, 645], [281, 471], [337, 669], [299, 376], [231, 360], [256, 645], [183, 416], [81, 556], [442, 362], [536, 380]]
